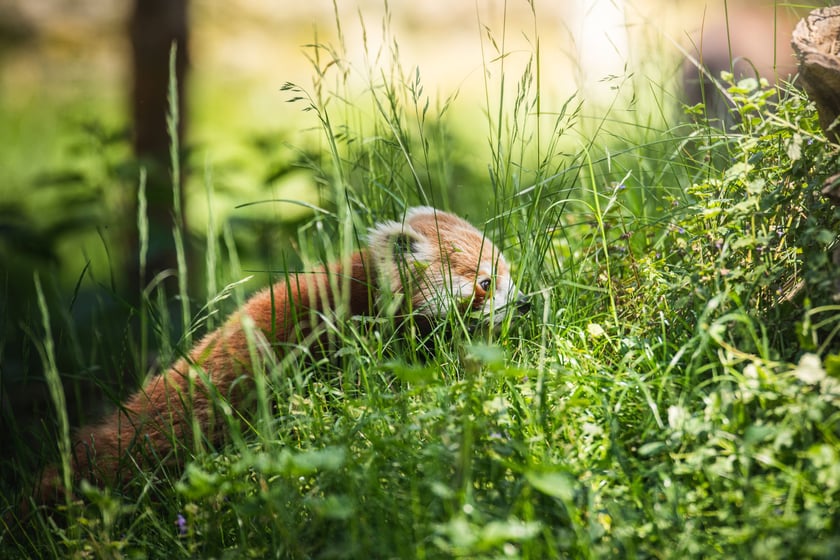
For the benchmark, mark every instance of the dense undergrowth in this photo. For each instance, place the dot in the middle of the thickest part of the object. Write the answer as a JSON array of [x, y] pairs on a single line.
[[674, 391]]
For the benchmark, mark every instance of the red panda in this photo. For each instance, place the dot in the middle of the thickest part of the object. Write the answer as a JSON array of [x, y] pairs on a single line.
[[424, 265]]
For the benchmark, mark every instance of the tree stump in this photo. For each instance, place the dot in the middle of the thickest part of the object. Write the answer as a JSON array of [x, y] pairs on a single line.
[[816, 42]]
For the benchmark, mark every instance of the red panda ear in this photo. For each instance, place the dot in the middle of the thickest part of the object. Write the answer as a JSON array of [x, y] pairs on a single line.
[[399, 252], [403, 244], [396, 243]]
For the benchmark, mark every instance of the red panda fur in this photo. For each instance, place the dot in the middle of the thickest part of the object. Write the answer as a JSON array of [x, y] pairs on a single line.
[[428, 258]]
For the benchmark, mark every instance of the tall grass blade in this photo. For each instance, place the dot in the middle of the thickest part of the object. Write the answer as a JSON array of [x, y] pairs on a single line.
[[56, 389]]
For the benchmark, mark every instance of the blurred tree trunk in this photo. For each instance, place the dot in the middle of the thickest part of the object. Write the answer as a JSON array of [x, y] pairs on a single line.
[[154, 27], [816, 42]]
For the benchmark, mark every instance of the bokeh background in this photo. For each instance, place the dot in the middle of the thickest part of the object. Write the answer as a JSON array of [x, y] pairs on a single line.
[[66, 75]]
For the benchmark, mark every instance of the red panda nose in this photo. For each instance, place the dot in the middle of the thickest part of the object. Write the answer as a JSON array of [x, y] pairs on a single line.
[[523, 303]]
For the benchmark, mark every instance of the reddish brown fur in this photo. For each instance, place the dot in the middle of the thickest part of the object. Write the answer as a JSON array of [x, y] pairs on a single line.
[[144, 430], [431, 256], [462, 249]]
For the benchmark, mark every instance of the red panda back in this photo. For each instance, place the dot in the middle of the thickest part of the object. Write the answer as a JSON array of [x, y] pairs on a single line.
[[433, 259]]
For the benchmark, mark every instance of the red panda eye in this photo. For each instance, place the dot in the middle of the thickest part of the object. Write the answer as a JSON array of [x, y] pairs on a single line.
[[484, 284]]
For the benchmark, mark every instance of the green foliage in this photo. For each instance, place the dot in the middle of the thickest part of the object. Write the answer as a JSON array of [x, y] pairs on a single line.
[[759, 234], [674, 392]]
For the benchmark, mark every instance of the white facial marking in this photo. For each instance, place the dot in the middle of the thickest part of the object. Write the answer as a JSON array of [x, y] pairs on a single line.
[[502, 295], [423, 266]]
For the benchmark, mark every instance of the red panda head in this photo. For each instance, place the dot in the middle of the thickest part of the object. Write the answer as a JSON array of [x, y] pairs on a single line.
[[439, 261]]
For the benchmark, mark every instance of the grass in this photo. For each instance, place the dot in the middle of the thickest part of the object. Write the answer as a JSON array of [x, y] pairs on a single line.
[[672, 393]]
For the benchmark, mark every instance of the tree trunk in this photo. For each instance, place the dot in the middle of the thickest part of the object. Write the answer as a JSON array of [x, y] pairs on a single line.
[[816, 42], [155, 26]]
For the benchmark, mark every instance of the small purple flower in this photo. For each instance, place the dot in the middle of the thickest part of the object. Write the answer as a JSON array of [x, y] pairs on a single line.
[[181, 522]]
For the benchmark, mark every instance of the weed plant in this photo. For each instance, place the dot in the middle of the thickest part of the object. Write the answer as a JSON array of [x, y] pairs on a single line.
[[674, 392]]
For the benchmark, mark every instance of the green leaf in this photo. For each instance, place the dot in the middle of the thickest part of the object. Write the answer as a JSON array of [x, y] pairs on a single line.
[[418, 375], [199, 483], [333, 507], [756, 186], [510, 530], [794, 147], [832, 365], [487, 354], [327, 459], [652, 448], [557, 484]]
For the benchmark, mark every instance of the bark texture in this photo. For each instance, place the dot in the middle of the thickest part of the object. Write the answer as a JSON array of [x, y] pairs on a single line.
[[816, 42]]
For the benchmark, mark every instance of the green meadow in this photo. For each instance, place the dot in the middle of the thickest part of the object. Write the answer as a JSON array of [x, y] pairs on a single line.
[[673, 392]]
